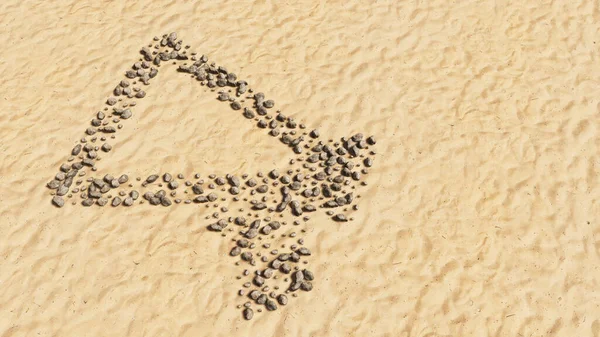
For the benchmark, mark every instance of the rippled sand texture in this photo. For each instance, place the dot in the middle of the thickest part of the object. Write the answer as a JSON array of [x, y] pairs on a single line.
[[480, 218]]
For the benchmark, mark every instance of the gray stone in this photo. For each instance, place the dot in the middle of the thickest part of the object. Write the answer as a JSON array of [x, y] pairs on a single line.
[[282, 299], [116, 202], [270, 305], [58, 201], [235, 251]]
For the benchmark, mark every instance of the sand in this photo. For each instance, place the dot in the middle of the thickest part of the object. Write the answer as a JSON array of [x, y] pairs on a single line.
[[478, 218]]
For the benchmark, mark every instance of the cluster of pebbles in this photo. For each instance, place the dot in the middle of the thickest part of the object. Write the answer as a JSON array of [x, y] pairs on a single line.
[[322, 175]]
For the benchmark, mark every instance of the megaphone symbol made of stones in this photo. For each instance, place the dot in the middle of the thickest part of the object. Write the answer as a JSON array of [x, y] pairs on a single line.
[[322, 175]]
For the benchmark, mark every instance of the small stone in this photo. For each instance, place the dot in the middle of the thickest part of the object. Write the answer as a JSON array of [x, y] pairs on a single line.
[[116, 202], [248, 314], [262, 299], [259, 281], [251, 233], [197, 189], [266, 230], [246, 256], [340, 218], [276, 264], [304, 251], [123, 179], [62, 190], [58, 201], [126, 114], [262, 189], [235, 251], [223, 96], [76, 150], [285, 268], [270, 305], [268, 273], [88, 202], [254, 294], [282, 299], [106, 147], [306, 286], [54, 184]]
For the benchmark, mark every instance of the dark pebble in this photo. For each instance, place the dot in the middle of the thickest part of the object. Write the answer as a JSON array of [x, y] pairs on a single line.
[[248, 314]]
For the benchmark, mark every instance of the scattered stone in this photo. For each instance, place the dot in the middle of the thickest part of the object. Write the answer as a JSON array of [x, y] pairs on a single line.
[[235, 251], [340, 218], [58, 201], [248, 314], [116, 202], [270, 305], [88, 202], [282, 299]]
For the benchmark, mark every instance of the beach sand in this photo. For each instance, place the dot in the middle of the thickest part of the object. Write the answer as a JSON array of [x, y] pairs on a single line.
[[479, 217]]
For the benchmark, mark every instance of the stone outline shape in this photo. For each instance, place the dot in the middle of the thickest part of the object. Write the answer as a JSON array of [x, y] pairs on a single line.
[[325, 158]]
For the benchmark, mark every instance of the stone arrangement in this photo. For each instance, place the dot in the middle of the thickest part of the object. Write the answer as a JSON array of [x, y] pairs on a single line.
[[322, 176]]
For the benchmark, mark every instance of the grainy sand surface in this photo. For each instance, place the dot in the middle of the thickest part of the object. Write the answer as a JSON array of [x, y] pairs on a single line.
[[480, 218]]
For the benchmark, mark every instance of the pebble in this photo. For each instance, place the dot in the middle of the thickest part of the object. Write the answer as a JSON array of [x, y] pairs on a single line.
[[282, 299], [116, 202], [54, 184], [88, 202], [76, 150], [58, 201], [258, 281], [235, 251], [268, 273], [262, 299], [246, 256], [304, 251], [106, 147], [285, 268], [340, 218], [306, 286], [248, 314], [254, 294], [308, 275], [270, 305]]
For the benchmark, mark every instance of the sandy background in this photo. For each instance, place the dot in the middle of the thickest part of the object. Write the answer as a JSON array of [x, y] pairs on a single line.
[[479, 219]]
